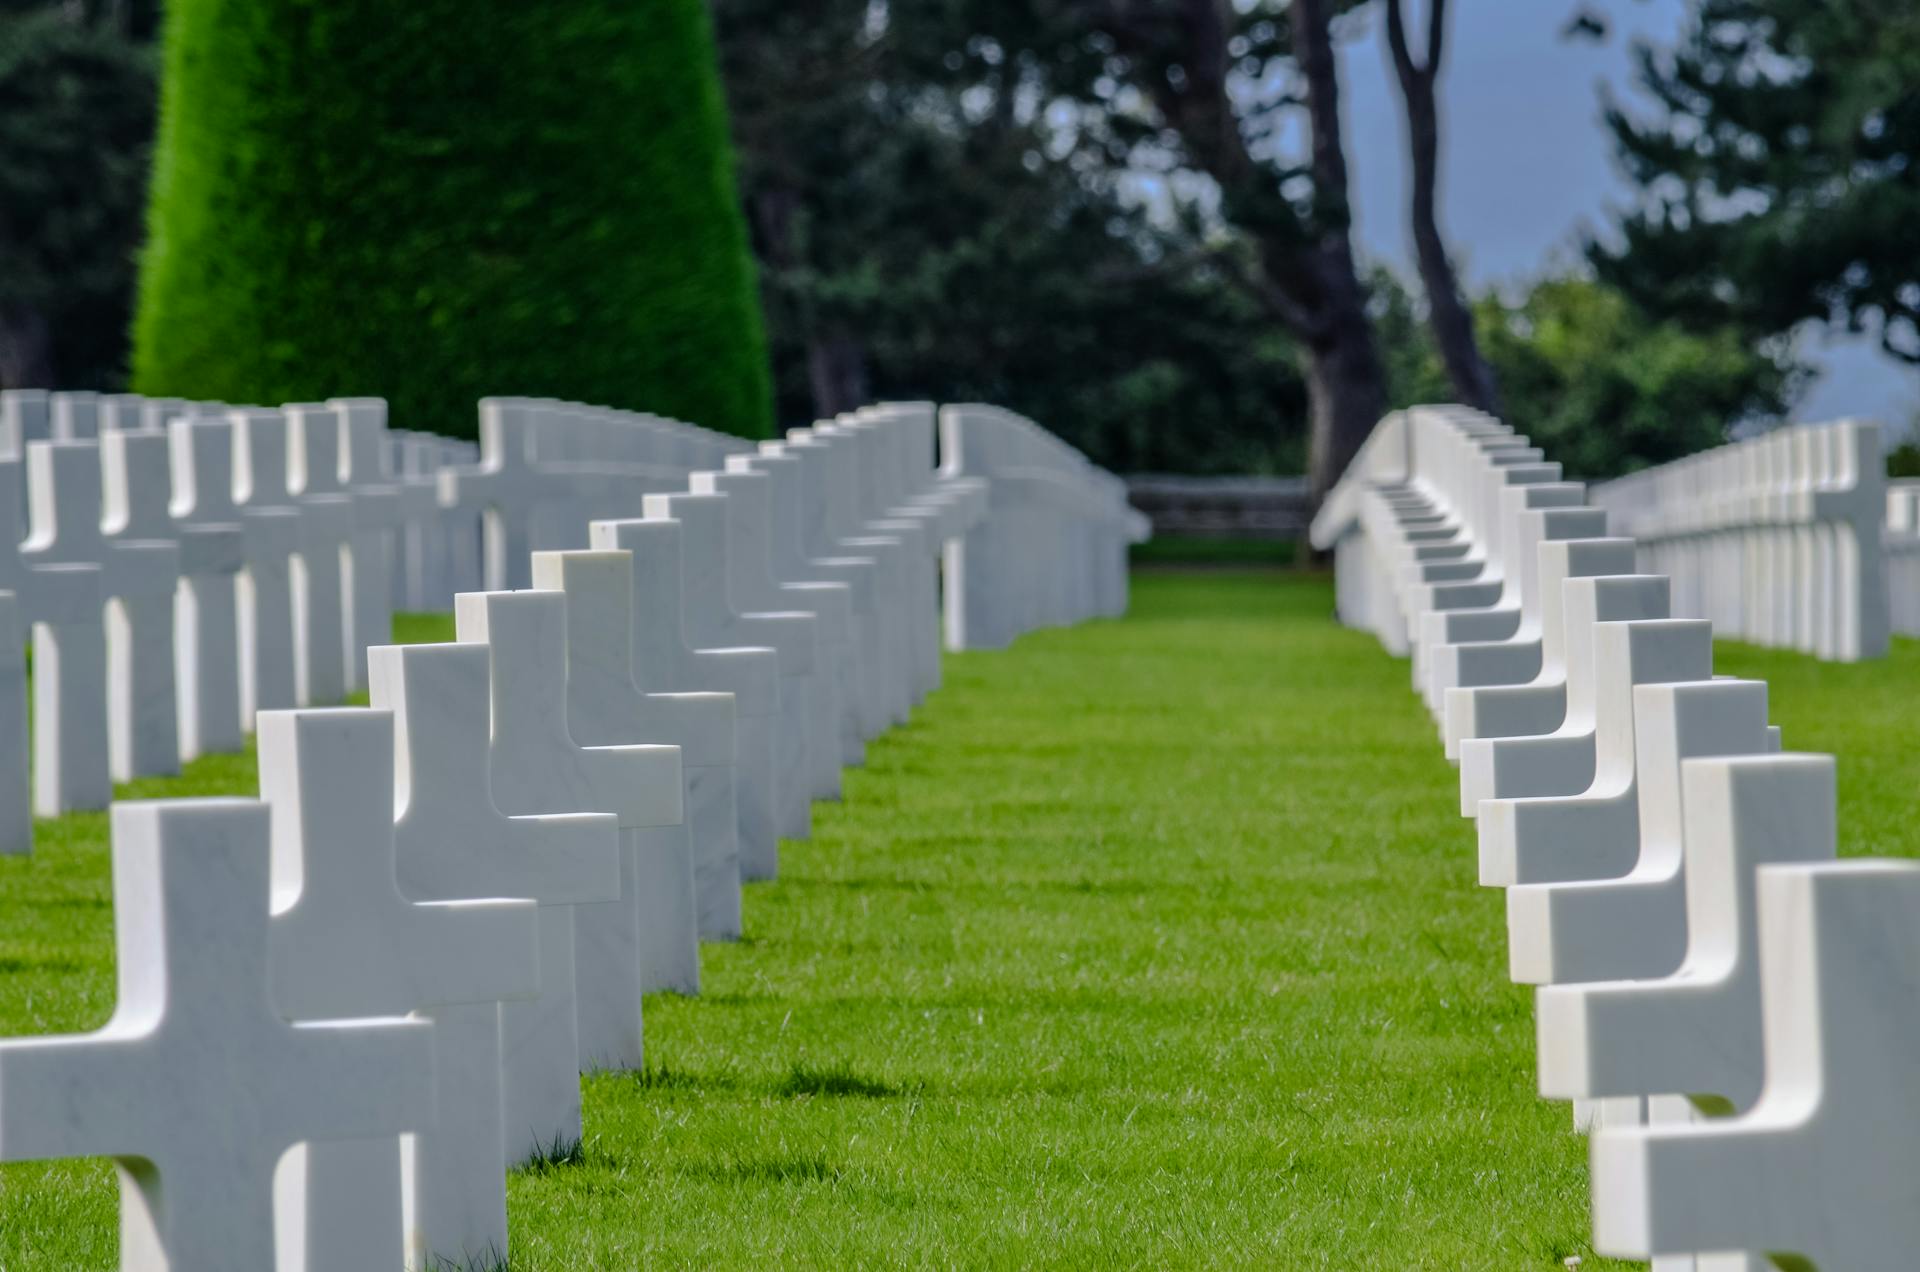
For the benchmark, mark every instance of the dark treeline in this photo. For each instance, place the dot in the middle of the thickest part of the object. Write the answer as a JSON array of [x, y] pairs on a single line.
[[1129, 220]]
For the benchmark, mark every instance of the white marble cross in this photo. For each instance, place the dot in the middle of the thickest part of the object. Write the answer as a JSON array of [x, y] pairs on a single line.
[[213, 549], [26, 415], [537, 767], [918, 529], [197, 1086], [666, 660], [368, 586], [1503, 644], [713, 623], [319, 600], [689, 875], [136, 490], [509, 488], [823, 481], [277, 525], [1538, 706], [16, 802], [63, 611], [121, 412], [76, 416], [1697, 1031], [1593, 832], [345, 944], [1563, 760], [751, 588], [452, 843], [1634, 926], [138, 578], [865, 712], [1822, 1167]]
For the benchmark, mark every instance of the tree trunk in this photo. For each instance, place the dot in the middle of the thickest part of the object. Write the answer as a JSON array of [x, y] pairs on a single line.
[[1346, 385], [1447, 314], [837, 369], [26, 348], [1307, 278]]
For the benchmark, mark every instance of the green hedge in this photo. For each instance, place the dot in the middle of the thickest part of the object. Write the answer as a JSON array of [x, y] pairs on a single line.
[[437, 200]]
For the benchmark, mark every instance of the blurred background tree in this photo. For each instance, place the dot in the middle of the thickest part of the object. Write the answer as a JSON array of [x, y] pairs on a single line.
[[445, 199], [1097, 212], [1780, 169], [77, 86]]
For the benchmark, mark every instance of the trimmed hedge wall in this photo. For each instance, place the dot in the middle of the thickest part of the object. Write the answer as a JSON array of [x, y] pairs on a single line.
[[436, 200]]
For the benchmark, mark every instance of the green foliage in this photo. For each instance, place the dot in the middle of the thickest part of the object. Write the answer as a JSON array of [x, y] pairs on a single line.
[[1779, 170], [1904, 460], [925, 230], [439, 200], [1601, 385], [76, 118]]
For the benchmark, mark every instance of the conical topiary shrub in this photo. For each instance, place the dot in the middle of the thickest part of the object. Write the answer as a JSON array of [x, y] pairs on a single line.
[[438, 200]]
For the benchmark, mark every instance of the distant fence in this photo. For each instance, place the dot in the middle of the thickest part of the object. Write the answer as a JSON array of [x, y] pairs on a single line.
[[1222, 507]]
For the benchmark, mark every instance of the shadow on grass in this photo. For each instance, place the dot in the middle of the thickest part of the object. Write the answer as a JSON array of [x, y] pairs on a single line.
[[772, 1168], [805, 1080]]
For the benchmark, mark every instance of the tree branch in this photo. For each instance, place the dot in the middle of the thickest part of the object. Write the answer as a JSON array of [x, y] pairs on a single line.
[[1436, 36], [1403, 64]]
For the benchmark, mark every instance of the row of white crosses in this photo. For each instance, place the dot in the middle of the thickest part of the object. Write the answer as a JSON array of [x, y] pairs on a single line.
[[1053, 548], [1728, 1007], [180, 567], [357, 1036], [1776, 539], [1902, 545], [436, 551]]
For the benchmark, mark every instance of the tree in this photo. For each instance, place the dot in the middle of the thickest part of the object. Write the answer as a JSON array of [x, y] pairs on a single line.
[[1202, 69], [1780, 171], [76, 121], [444, 199], [1447, 313], [930, 225], [1603, 387]]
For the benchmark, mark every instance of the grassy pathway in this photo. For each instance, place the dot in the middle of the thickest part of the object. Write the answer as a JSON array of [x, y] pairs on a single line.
[[1150, 943]]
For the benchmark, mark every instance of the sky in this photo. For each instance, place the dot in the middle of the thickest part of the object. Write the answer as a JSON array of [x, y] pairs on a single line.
[[1526, 165]]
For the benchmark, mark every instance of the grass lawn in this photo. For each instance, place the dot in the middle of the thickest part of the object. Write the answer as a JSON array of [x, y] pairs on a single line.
[[1147, 943]]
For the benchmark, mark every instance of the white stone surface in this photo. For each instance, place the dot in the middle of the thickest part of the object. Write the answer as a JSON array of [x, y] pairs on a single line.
[[320, 656], [62, 608], [713, 623], [345, 944], [537, 767], [16, 800], [276, 530], [1821, 1168], [514, 491], [1635, 926], [25, 416], [1590, 832], [138, 578], [667, 660], [452, 843], [1564, 760], [866, 672], [1776, 539], [136, 490], [832, 531], [194, 1020], [367, 587], [1051, 546], [678, 894], [751, 588], [76, 416], [1697, 1031], [206, 617]]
